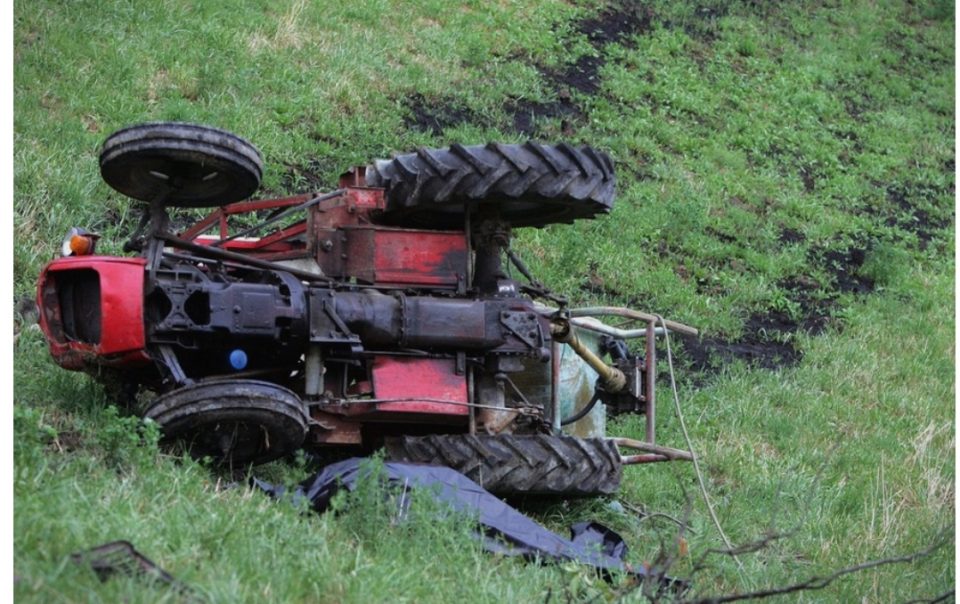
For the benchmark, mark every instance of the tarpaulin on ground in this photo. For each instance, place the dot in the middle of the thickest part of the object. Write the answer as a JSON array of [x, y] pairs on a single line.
[[505, 530]]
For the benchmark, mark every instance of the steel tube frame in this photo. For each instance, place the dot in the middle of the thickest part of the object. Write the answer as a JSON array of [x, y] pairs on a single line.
[[632, 314], [651, 390]]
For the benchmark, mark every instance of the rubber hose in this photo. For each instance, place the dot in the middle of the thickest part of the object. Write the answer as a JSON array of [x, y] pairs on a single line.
[[583, 412]]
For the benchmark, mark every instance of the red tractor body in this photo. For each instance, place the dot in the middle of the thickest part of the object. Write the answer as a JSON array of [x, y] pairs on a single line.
[[369, 316]]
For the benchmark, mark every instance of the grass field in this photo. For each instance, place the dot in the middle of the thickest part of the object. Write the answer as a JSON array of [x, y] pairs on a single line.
[[786, 183]]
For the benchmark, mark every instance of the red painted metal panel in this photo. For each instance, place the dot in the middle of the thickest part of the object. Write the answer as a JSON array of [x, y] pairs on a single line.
[[122, 336], [406, 257], [351, 208], [419, 385]]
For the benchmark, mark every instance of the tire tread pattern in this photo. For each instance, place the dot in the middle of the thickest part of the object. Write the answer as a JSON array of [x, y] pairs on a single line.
[[509, 464], [555, 183], [191, 411], [205, 166]]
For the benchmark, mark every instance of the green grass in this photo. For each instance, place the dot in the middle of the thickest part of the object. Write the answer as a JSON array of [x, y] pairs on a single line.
[[754, 145]]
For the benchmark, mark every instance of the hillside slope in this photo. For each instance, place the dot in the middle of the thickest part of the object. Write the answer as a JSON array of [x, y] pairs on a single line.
[[786, 183]]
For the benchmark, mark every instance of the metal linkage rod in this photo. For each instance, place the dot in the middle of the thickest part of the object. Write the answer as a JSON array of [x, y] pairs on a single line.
[[216, 253], [632, 314], [303, 206], [668, 452], [591, 324]]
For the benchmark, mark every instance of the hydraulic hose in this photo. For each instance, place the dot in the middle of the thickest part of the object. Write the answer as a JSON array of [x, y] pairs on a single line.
[[583, 412]]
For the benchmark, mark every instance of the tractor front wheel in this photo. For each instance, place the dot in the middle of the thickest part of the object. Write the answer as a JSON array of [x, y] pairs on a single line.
[[183, 165], [235, 422]]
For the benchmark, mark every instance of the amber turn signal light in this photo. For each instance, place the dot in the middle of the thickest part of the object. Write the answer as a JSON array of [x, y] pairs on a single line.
[[79, 242]]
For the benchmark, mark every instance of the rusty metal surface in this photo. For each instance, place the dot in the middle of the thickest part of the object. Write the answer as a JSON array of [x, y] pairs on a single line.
[[631, 460], [649, 447], [221, 215], [322, 213], [204, 251], [650, 394], [629, 313], [334, 429], [405, 257], [355, 207]]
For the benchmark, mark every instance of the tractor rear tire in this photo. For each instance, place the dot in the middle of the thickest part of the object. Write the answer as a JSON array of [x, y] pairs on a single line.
[[510, 465], [529, 184]]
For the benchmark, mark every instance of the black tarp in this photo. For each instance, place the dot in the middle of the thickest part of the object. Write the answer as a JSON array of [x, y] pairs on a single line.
[[505, 530]]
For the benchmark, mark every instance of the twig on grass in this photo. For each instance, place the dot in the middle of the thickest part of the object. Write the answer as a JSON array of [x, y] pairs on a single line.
[[815, 583], [941, 598], [644, 514]]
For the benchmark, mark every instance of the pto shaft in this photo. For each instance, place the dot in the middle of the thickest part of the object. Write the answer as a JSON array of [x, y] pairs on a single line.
[[611, 379]]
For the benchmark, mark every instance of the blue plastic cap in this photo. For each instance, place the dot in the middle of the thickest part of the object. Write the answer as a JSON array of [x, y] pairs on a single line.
[[238, 359]]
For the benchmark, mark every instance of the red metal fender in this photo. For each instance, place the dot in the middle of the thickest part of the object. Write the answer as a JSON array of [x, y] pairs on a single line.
[[122, 339]]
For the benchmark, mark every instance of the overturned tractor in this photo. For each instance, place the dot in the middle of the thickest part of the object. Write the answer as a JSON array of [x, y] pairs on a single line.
[[378, 315]]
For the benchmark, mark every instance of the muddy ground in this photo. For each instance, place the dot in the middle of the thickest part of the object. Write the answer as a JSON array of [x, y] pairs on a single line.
[[767, 338]]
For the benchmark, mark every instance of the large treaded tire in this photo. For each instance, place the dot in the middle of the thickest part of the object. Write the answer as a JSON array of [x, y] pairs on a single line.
[[510, 465], [531, 184], [188, 165]]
